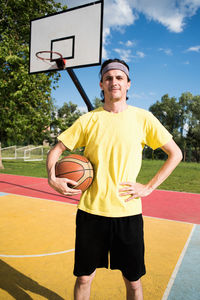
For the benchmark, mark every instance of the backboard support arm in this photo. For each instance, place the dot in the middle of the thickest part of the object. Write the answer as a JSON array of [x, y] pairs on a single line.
[[80, 89]]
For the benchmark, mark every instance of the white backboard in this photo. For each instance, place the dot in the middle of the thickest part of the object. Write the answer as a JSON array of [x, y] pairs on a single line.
[[75, 33]]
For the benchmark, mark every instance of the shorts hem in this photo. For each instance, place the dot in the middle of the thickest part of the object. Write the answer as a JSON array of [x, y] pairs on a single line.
[[133, 278], [78, 274], [88, 273]]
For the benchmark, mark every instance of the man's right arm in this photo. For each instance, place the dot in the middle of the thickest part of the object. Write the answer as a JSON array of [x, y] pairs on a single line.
[[58, 184]]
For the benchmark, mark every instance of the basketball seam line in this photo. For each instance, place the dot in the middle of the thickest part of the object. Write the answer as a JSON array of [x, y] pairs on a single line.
[[73, 160], [82, 179], [74, 171]]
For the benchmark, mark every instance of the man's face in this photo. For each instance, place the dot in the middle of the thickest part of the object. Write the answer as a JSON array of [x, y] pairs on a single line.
[[115, 85]]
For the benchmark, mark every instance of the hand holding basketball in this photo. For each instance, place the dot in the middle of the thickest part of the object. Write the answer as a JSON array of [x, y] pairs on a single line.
[[77, 170], [61, 185]]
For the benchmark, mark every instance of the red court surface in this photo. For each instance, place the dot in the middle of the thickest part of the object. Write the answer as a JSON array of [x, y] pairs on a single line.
[[33, 187], [177, 206]]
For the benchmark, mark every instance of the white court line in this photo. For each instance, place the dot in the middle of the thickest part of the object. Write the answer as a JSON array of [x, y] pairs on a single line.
[[173, 277], [36, 255], [44, 254]]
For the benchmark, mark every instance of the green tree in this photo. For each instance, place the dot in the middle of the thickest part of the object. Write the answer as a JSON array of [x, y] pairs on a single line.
[[193, 135], [167, 111], [184, 112], [182, 119], [184, 115], [97, 102], [25, 100], [63, 118]]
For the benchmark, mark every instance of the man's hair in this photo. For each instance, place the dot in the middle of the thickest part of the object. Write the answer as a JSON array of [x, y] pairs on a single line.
[[105, 63]]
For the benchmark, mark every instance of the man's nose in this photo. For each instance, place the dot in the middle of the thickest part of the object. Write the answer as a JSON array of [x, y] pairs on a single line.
[[114, 81]]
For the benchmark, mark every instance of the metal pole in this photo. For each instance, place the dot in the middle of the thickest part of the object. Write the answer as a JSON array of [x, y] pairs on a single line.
[[80, 89]]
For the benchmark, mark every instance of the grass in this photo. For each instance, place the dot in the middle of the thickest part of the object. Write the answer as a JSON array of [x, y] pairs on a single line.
[[185, 178], [19, 167]]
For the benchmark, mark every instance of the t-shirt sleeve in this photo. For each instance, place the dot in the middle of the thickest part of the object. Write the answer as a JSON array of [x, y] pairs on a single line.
[[156, 135], [73, 137]]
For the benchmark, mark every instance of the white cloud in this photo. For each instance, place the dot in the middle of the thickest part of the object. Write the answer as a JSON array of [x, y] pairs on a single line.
[[127, 55], [130, 44], [124, 54], [106, 35], [170, 13], [105, 53], [166, 51], [140, 54], [194, 49], [118, 14]]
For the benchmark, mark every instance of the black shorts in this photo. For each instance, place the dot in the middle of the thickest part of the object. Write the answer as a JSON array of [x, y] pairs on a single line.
[[97, 236]]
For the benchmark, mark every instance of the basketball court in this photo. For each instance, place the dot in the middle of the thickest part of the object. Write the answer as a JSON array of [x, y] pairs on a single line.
[[37, 228], [37, 234]]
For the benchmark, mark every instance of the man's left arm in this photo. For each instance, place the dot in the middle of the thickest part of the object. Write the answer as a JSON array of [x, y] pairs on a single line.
[[142, 190]]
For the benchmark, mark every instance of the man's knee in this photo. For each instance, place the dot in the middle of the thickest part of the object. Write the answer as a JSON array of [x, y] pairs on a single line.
[[133, 285], [84, 280]]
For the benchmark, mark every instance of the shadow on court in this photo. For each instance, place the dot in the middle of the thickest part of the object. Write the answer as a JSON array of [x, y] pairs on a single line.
[[14, 282]]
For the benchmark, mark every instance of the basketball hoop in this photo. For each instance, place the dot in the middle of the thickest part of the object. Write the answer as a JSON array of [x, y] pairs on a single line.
[[60, 61]]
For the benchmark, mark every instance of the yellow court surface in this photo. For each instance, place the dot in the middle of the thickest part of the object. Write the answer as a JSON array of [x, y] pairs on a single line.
[[37, 252]]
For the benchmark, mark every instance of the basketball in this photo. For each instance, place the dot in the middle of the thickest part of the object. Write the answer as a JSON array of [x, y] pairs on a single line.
[[75, 167]]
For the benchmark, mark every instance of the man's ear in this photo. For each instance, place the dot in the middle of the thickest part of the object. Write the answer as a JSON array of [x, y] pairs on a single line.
[[101, 85]]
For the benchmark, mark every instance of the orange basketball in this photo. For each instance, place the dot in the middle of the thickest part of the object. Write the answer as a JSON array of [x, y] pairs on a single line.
[[75, 167]]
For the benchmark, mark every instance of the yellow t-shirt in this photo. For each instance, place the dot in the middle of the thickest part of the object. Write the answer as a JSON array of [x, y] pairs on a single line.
[[113, 143]]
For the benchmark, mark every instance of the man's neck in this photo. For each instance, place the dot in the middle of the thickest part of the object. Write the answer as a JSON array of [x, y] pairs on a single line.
[[115, 107]]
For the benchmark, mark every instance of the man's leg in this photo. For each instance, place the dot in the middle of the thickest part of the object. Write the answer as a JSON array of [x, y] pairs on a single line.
[[83, 286], [133, 289]]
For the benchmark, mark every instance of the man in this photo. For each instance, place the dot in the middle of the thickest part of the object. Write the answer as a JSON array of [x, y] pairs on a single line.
[[109, 216]]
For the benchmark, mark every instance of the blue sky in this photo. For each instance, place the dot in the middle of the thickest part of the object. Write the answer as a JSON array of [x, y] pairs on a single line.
[[160, 41]]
